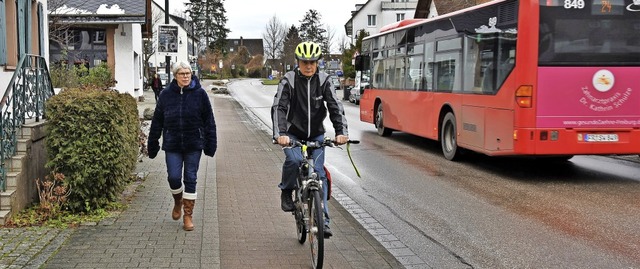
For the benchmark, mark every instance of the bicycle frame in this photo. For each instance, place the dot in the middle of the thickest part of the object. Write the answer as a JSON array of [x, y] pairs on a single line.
[[309, 203], [310, 181]]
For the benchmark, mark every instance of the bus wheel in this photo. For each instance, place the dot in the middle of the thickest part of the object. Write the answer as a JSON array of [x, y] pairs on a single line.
[[448, 137], [382, 131]]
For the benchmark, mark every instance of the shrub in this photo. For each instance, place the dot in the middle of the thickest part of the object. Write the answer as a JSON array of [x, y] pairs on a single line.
[[99, 76], [64, 76], [255, 73], [92, 138]]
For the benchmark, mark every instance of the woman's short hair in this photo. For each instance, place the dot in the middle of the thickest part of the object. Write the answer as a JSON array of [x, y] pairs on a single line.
[[180, 65]]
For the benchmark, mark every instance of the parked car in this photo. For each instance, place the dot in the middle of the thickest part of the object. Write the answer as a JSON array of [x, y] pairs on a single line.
[[354, 97], [163, 77], [336, 82]]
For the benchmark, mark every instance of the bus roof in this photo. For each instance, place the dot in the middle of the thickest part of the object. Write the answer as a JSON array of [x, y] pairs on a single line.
[[396, 26], [399, 24]]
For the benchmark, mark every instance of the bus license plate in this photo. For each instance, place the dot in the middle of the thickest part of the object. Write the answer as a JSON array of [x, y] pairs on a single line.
[[601, 138]]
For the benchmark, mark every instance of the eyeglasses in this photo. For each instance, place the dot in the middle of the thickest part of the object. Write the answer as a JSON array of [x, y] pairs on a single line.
[[184, 74]]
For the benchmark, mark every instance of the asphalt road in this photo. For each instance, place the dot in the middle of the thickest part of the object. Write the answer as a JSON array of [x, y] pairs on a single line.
[[483, 212]]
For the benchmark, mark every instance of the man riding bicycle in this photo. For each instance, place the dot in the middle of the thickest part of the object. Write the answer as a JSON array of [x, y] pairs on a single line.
[[298, 112]]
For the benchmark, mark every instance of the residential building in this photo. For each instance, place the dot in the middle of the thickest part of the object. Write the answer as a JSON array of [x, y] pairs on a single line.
[[254, 46], [374, 14], [107, 31], [31, 19]]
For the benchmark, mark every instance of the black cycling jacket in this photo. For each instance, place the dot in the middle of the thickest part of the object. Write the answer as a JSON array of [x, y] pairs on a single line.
[[299, 107]]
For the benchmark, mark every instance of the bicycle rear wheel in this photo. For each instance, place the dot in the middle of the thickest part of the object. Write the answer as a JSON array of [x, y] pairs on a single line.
[[316, 229], [298, 213]]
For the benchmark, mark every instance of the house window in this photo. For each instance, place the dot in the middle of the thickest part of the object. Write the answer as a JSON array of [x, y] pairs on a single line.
[[98, 37], [371, 20], [399, 16]]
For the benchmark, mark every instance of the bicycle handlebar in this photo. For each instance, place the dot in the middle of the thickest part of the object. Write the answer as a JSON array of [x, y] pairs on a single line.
[[316, 144]]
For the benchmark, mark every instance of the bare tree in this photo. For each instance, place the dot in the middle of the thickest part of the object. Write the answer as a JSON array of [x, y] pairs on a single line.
[[344, 44], [274, 35], [59, 31], [149, 44], [331, 35]]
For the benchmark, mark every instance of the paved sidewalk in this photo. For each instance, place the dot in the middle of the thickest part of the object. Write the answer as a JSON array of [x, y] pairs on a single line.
[[237, 216]]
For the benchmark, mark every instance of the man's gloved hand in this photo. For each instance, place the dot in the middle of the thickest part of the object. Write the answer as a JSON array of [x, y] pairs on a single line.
[[153, 154]]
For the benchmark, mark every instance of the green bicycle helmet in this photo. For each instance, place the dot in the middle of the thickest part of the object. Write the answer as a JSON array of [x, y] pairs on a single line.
[[308, 51]]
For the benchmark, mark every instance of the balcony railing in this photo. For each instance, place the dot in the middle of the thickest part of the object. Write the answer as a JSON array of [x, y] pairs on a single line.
[[23, 100]]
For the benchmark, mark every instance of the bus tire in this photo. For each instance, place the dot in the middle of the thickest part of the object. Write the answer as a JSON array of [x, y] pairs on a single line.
[[379, 122], [448, 137]]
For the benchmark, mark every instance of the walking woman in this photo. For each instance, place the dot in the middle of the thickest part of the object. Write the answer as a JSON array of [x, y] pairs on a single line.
[[184, 118]]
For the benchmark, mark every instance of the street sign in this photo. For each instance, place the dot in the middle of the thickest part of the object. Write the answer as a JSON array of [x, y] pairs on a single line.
[[339, 73], [168, 39]]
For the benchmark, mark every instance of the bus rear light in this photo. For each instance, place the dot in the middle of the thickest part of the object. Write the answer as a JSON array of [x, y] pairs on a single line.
[[524, 95], [515, 135], [554, 135], [544, 135]]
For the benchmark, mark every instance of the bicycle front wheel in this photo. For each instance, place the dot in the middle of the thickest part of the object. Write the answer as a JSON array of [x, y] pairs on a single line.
[[301, 225], [316, 229]]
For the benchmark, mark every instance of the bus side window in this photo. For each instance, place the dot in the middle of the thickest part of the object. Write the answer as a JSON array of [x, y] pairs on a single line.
[[446, 72], [427, 71]]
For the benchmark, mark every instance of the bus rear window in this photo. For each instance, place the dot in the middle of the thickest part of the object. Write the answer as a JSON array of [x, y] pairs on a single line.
[[589, 33]]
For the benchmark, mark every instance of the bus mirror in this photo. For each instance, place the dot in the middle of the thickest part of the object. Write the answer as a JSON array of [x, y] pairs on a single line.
[[362, 63]]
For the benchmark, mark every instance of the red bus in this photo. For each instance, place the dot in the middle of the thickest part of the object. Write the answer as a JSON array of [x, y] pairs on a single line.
[[545, 78]]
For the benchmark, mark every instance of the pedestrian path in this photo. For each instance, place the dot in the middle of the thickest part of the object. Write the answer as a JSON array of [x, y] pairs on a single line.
[[237, 216]]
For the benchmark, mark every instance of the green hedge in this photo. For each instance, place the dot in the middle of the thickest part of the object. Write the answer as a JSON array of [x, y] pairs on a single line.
[[92, 138]]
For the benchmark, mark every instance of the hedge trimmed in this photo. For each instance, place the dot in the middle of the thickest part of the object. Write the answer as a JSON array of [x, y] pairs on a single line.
[[92, 138]]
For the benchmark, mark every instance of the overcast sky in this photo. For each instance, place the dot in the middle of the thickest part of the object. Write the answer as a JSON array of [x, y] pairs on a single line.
[[248, 18]]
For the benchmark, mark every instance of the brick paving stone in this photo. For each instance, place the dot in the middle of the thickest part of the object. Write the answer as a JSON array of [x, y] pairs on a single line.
[[237, 216]]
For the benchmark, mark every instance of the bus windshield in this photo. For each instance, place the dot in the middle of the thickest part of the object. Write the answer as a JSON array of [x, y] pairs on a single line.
[[589, 32]]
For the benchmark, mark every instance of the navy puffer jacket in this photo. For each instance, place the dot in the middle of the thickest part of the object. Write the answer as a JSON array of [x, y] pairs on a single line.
[[184, 118]]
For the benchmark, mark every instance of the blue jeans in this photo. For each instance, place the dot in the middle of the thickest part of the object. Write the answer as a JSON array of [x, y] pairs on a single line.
[[293, 158], [176, 176]]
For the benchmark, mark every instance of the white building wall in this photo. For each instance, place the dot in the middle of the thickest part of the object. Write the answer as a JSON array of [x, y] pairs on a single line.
[[137, 50], [360, 21], [383, 17], [127, 74], [45, 30]]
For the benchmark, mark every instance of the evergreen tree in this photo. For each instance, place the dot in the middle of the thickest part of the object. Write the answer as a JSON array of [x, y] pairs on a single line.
[[348, 69], [209, 22], [289, 45], [312, 30]]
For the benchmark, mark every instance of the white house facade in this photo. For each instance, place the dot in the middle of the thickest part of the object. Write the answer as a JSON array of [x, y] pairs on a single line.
[[375, 14], [108, 31]]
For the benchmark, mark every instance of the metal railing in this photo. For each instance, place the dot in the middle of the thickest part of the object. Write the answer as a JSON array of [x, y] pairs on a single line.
[[29, 88]]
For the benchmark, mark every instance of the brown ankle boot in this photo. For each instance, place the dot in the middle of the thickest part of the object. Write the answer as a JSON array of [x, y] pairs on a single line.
[[188, 211], [177, 206]]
